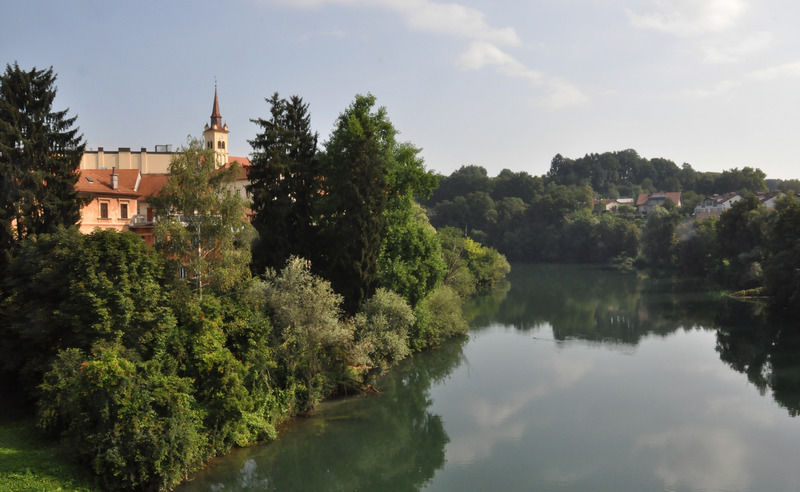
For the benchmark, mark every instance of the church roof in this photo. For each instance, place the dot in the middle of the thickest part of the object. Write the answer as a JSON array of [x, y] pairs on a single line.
[[216, 117]]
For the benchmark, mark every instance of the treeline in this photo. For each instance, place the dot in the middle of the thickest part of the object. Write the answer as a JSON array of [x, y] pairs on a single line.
[[145, 361], [557, 219], [532, 218], [626, 174]]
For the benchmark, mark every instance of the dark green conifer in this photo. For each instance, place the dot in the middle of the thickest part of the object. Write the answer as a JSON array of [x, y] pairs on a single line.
[[284, 184], [40, 152]]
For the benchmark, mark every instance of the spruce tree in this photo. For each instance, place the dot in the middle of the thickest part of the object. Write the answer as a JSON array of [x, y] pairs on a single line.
[[285, 184], [40, 152]]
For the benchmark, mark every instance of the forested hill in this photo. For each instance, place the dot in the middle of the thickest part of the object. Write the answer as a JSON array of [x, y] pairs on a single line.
[[610, 175], [550, 217]]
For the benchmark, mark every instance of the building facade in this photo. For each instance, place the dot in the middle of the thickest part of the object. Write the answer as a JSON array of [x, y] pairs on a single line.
[[117, 184]]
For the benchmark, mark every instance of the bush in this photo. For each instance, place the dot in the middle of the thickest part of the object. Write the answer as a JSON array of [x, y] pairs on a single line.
[[438, 317], [136, 424], [382, 329], [311, 342]]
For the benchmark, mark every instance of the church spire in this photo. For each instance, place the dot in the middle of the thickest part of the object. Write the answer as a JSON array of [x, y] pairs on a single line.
[[216, 118]]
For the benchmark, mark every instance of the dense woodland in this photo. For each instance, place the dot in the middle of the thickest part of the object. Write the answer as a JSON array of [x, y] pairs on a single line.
[[146, 362]]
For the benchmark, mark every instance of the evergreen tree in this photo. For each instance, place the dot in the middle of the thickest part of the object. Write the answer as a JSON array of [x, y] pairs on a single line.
[[285, 183], [40, 151], [356, 164]]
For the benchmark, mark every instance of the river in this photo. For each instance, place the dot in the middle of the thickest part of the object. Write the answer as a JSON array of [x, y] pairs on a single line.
[[572, 379]]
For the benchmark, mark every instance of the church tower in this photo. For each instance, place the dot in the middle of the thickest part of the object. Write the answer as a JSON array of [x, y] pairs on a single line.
[[216, 134]]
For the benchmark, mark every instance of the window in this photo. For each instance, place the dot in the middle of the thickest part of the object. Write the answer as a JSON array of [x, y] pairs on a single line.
[[123, 210], [182, 272], [103, 210], [209, 144], [220, 144]]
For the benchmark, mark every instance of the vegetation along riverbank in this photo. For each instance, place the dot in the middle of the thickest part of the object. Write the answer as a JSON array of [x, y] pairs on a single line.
[[143, 361]]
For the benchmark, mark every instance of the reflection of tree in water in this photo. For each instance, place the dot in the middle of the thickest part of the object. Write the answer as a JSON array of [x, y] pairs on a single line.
[[595, 304], [481, 309], [387, 442], [767, 351]]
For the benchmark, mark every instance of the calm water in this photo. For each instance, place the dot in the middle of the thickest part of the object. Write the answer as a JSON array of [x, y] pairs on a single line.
[[572, 378]]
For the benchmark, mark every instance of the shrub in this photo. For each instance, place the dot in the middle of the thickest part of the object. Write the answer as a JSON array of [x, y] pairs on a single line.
[[136, 424], [382, 329], [438, 317]]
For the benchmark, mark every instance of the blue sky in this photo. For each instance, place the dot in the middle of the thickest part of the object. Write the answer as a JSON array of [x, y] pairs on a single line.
[[498, 83]]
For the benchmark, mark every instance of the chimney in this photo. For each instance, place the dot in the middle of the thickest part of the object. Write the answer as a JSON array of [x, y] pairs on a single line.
[[114, 178]]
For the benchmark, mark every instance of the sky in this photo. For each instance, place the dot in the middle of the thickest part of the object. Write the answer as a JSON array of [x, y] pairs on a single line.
[[504, 84]]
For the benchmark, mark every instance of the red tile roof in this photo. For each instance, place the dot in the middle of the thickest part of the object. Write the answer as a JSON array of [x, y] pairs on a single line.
[[152, 183], [244, 165], [98, 182]]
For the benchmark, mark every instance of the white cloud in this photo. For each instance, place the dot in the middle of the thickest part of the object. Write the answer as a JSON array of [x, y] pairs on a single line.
[[788, 70], [690, 17], [482, 54], [721, 88], [734, 52], [452, 19], [436, 17], [560, 93], [782, 71]]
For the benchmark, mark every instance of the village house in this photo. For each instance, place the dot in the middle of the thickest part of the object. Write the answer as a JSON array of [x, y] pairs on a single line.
[[714, 205], [646, 202], [117, 184]]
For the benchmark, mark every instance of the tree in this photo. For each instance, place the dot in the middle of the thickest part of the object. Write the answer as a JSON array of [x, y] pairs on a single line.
[[40, 151], [659, 241], [410, 260], [284, 183], [201, 227], [71, 290], [356, 162]]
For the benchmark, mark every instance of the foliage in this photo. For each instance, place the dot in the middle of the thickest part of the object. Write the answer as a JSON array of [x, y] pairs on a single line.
[[70, 290], [782, 266], [364, 169], [40, 151], [470, 265], [228, 356], [285, 182], [659, 241], [438, 317], [200, 221], [357, 157], [311, 342], [410, 261], [741, 234], [381, 329], [135, 423]]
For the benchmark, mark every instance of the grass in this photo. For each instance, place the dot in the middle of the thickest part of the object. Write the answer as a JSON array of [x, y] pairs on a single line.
[[29, 462]]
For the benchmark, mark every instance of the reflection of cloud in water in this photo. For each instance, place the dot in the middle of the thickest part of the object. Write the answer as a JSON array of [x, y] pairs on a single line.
[[740, 407], [248, 479], [503, 419], [699, 459]]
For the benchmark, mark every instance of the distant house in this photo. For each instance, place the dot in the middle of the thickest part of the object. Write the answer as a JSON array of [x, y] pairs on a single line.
[[769, 198], [646, 202], [613, 204], [714, 205], [117, 184]]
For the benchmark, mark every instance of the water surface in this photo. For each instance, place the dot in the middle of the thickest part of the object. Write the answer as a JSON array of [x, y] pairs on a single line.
[[572, 378]]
